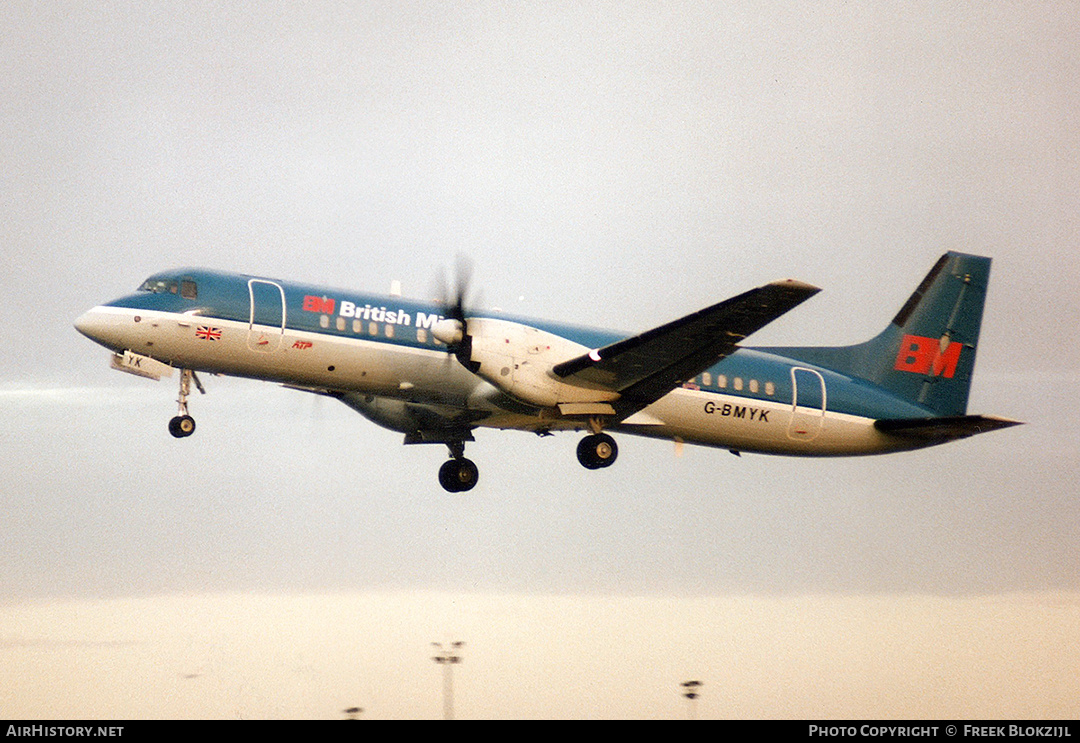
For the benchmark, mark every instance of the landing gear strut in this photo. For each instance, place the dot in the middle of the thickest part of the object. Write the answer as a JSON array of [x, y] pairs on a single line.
[[458, 474], [597, 450], [183, 425]]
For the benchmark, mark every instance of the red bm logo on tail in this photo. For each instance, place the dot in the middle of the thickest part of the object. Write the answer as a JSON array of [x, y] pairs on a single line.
[[928, 356]]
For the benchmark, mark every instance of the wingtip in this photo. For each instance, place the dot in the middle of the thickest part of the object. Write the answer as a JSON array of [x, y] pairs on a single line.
[[796, 285]]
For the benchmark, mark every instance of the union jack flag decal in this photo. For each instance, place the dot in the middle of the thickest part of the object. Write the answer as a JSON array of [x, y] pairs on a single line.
[[207, 333]]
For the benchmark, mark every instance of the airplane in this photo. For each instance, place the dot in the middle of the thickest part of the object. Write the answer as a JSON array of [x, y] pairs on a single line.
[[436, 371]]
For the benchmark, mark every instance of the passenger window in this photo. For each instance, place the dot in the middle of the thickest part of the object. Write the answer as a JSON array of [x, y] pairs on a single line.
[[754, 386], [738, 383], [770, 388], [706, 379], [721, 381]]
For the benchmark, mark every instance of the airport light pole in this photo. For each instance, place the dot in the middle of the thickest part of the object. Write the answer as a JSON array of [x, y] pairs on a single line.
[[691, 693], [448, 658]]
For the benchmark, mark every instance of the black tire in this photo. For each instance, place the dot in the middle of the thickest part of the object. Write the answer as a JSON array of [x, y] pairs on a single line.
[[597, 451], [458, 475], [182, 426]]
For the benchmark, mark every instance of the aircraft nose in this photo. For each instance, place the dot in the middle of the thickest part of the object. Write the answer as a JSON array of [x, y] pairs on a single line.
[[92, 324]]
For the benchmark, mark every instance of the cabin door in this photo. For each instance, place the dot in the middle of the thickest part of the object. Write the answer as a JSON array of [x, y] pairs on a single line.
[[807, 404], [266, 327]]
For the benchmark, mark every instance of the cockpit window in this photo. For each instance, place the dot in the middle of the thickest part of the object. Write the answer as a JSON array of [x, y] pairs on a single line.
[[187, 288], [158, 286]]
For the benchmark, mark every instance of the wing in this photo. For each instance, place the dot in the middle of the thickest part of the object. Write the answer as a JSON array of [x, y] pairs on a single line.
[[422, 423], [646, 367]]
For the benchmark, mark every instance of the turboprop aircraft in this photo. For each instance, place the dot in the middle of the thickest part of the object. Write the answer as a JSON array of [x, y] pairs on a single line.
[[436, 371]]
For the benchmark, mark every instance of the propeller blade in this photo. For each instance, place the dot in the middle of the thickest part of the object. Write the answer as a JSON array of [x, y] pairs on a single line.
[[454, 330]]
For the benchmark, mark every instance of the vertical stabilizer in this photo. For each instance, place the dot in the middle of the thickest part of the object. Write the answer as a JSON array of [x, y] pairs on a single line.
[[927, 353]]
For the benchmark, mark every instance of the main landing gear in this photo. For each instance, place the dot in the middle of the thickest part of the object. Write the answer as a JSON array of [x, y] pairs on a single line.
[[458, 474], [597, 450], [183, 425]]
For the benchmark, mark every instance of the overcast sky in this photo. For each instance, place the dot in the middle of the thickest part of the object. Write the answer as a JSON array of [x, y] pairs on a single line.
[[618, 165]]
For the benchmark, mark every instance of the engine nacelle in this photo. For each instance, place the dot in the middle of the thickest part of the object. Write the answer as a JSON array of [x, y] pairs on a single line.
[[448, 331], [518, 359]]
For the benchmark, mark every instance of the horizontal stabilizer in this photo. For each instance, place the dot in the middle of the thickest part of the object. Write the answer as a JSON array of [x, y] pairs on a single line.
[[936, 430]]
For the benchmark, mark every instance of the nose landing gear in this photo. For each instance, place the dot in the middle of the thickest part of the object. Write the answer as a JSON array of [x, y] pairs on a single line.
[[183, 425]]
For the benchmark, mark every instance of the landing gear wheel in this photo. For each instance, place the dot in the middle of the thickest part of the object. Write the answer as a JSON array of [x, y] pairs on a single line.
[[458, 475], [597, 450], [182, 426]]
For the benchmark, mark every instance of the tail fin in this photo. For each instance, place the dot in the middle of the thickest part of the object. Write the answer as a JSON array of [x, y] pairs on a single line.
[[927, 354]]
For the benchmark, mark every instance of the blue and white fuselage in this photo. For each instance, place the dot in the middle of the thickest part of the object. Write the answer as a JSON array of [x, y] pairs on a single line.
[[436, 373]]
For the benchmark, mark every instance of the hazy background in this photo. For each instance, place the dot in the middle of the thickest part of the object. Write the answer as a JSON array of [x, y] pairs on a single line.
[[619, 165]]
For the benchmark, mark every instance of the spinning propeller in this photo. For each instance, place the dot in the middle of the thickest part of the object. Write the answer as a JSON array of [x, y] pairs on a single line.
[[453, 330]]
